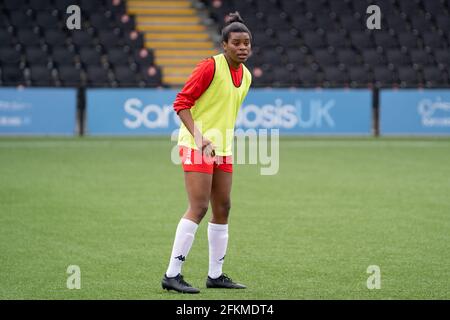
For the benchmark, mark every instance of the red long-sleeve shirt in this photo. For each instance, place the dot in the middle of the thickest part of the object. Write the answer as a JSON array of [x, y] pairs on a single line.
[[199, 81]]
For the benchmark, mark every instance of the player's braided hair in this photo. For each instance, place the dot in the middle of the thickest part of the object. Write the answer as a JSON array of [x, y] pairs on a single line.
[[234, 23]]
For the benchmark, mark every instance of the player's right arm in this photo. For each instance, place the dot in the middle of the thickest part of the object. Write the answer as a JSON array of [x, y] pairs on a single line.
[[202, 143], [198, 82]]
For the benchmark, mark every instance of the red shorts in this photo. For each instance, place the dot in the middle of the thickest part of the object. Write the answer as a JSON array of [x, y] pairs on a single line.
[[195, 160]]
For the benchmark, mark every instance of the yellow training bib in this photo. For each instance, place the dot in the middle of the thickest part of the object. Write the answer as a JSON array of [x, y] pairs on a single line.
[[215, 112]]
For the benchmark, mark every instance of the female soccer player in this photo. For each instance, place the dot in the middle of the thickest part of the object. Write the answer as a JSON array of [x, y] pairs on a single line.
[[207, 106]]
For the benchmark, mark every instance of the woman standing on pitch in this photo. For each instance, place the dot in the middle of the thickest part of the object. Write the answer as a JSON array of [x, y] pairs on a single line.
[[207, 106]]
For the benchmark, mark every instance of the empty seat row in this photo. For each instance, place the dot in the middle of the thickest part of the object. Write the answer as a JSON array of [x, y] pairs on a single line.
[[95, 76], [353, 77], [324, 40]]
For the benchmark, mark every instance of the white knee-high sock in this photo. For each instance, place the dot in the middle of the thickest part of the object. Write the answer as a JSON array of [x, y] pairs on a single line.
[[184, 237], [218, 242]]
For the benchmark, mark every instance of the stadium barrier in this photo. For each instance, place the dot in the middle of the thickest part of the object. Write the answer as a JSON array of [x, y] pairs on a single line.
[[38, 111], [57, 111], [415, 112], [301, 111]]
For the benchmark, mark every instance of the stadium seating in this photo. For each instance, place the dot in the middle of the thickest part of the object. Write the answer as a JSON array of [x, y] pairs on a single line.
[[296, 43], [326, 42], [37, 49]]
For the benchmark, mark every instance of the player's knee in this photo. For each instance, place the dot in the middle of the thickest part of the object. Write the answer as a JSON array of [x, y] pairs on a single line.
[[225, 208], [200, 210]]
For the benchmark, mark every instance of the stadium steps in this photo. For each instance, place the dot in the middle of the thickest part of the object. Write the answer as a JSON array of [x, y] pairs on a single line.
[[173, 29]]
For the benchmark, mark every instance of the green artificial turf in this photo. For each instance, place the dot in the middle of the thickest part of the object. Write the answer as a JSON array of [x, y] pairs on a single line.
[[336, 206]]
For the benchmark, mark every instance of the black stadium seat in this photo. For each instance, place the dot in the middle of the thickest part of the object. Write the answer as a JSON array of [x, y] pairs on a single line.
[[81, 38], [397, 57], [313, 6], [6, 38], [335, 77], [420, 57], [432, 40], [61, 56], [125, 76], [359, 77], [41, 76], [109, 38], [302, 23], [100, 21], [407, 76], [20, 19], [276, 21], [90, 56], [307, 76], [36, 56], [13, 5], [283, 77], [434, 7], [12, 75], [92, 6], [337, 40], [290, 6], [350, 23], [262, 39], [408, 7], [340, 8], [55, 38], [271, 57], [117, 56], [9, 56], [420, 24], [362, 40], [40, 5], [313, 40], [116, 7], [97, 76], [372, 57], [330, 25], [407, 40], [287, 39], [433, 76], [325, 58], [144, 58], [442, 57], [27, 37], [47, 20], [62, 5], [385, 40], [295, 56], [383, 77], [133, 40], [70, 76], [443, 22], [348, 57], [152, 76]]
